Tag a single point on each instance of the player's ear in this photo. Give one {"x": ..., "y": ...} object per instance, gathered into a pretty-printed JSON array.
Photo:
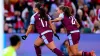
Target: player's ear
[{"x": 19, "y": 43}]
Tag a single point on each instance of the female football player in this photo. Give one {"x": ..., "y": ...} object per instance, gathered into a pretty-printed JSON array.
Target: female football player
[
  {"x": 71, "y": 25},
  {"x": 41, "y": 21}
]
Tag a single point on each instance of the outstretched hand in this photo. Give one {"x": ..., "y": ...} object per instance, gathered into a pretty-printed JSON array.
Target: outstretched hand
[{"x": 24, "y": 37}]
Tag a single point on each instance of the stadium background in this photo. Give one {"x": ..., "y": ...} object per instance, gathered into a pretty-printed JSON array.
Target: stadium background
[{"x": 17, "y": 15}]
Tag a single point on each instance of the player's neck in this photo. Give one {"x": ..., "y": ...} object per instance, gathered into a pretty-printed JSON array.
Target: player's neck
[
  {"x": 15, "y": 47},
  {"x": 37, "y": 11}
]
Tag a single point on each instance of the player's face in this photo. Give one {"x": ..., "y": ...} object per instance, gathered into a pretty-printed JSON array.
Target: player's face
[
  {"x": 34, "y": 9},
  {"x": 59, "y": 10}
]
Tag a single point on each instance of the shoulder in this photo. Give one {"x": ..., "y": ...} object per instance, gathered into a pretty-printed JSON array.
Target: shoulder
[
  {"x": 49, "y": 17},
  {"x": 34, "y": 15},
  {"x": 61, "y": 15},
  {"x": 9, "y": 51},
  {"x": 72, "y": 16},
  {"x": 14, "y": 53},
  {"x": 6, "y": 50}
]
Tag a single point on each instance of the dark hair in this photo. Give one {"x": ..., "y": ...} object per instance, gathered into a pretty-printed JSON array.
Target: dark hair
[
  {"x": 14, "y": 40},
  {"x": 42, "y": 11},
  {"x": 96, "y": 27},
  {"x": 66, "y": 10}
]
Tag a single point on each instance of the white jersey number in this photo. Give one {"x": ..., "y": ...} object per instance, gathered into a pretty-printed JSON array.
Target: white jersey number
[
  {"x": 73, "y": 20},
  {"x": 43, "y": 24}
]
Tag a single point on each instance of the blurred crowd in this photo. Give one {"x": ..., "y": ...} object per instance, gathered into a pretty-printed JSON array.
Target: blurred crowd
[{"x": 17, "y": 14}]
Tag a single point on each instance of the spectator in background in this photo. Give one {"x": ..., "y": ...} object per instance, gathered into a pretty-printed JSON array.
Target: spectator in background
[
  {"x": 6, "y": 28},
  {"x": 85, "y": 15},
  {"x": 53, "y": 8},
  {"x": 8, "y": 8},
  {"x": 18, "y": 22},
  {"x": 92, "y": 19},
  {"x": 62, "y": 30},
  {"x": 96, "y": 10},
  {"x": 15, "y": 44},
  {"x": 47, "y": 5},
  {"x": 96, "y": 29},
  {"x": 79, "y": 17},
  {"x": 85, "y": 10},
  {"x": 82, "y": 19},
  {"x": 64, "y": 49},
  {"x": 99, "y": 15},
  {"x": 80, "y": 4},
  {"x": 27, "y": 13},
  {"x": 11, "y": 30},
  {"x": 22, "y": 30},
  {"x": 71, "y": 6},
  {"x": 20, "y": 6},
  {"x": 8, "y": 11}
]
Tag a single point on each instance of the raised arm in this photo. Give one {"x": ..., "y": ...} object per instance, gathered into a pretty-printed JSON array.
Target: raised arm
[
  {"x": 61, "y": 16},
  {"x": 56, "y": 20}
]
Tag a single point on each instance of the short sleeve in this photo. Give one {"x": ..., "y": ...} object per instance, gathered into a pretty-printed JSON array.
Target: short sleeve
[
  {"x": 32, "y": 20},
  {"x": 49, "y": 17},
  {"x": 14, "y": 54},
  {"x": 61, "y": 16}
]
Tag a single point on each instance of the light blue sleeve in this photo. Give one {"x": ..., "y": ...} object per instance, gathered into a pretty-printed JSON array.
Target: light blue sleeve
[
  {"x": 32, "y": 21},
  {"x": 61, "y": 16},
  {"x": 49, "y": 17}
]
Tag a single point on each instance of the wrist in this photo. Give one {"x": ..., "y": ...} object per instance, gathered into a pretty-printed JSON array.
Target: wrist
[
  {"x": 26, "y": 34},
  {"x": 52, "y": 20},
  {"x": 54, "y": 32}
]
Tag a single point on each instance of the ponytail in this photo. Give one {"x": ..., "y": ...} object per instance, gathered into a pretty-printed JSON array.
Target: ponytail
[
  {"x": 43, "y": 14},
  {"x": 42, "y": 11}
]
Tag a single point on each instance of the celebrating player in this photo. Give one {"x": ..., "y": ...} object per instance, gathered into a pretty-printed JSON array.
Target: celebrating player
[
  {"x": 71, "y": 25},
  {"x": 42, "y": 23}
]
